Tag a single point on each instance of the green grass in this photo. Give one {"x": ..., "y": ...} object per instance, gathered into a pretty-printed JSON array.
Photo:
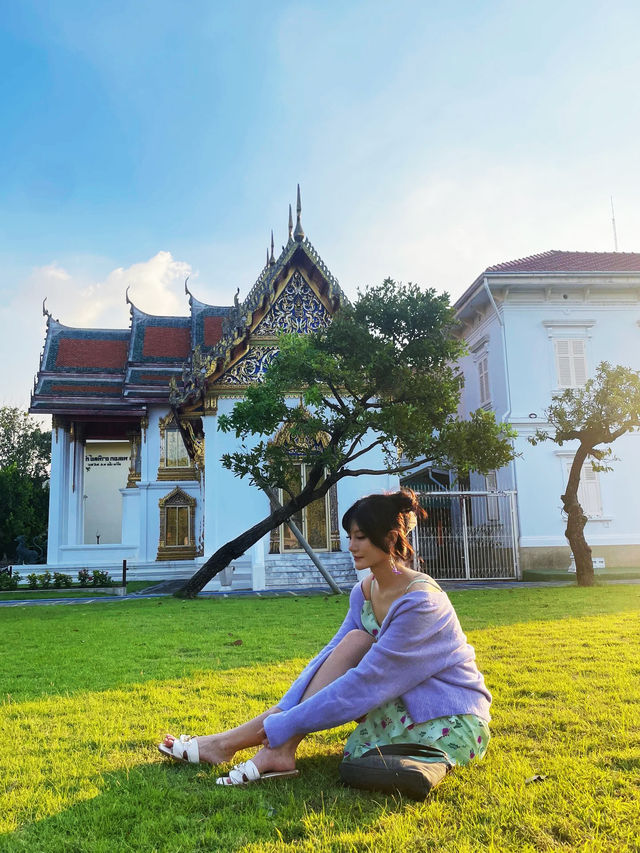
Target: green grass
[
  {"x": 89, "y": 690},
  {"x": 608, "y": 574}
]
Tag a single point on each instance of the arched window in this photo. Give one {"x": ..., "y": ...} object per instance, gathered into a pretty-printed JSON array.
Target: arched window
[{"x": 177, "y": 526}]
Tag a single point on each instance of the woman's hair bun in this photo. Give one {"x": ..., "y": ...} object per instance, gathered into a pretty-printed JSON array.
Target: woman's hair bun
[{"x": 407, "y": 501}]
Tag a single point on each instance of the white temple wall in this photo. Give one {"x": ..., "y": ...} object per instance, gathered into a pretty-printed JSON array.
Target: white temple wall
[{"x": 231, "y": 504}]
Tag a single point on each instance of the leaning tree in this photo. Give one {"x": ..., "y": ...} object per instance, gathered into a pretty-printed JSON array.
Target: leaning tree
[
  {"x": 606, "y": 407},
  {"x": 383, "y": 376}
]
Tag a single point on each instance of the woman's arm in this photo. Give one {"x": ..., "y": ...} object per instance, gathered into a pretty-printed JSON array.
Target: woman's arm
[
  {"x": 351, "y": 621},
  {"x": 412, "y": 648}
]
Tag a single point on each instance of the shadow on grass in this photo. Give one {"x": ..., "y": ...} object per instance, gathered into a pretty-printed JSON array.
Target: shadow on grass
[
  {"x": 65, "y": 650},
  {"x": 175, "y": 807}
]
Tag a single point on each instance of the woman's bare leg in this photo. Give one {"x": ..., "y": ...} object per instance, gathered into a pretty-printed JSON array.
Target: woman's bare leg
[
  {"x": 220, "y": 748},
  {"x": 347, "y": 654}
]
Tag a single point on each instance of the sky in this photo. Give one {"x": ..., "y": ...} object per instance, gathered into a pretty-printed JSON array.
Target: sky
[{"x": 141, "y": 142}]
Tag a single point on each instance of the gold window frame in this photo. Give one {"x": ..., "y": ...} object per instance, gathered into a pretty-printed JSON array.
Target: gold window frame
[{"x": 177, "y": 499}]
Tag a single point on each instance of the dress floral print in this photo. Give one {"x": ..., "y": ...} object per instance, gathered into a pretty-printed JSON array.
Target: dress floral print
[{"x": 462, "y": 736}]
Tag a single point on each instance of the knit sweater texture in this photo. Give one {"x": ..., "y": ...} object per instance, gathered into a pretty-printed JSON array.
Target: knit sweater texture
[{"x": 421, "y": 655}]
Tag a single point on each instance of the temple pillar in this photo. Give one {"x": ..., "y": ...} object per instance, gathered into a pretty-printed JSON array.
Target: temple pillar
[
  {"x": 58, "y": 492},
  {"x": 75, "y": 489}
]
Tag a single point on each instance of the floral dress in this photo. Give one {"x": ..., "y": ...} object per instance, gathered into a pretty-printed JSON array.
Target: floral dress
[{"x": 462, "y": 736}]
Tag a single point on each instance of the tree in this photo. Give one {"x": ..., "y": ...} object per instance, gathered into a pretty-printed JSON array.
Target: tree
[
  {"x": 24, "y": 444},
  {"x": 605, "y": 408},
  {"x": 382, "y": 375},
  {"x": 25, "y": 453}
]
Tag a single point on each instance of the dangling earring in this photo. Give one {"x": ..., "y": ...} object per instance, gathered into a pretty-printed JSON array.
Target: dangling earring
[{"x": 394, "y": 568}]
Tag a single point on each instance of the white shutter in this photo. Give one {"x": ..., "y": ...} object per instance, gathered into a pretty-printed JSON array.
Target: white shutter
[
  {"x": 491, "y": 484},
  {"x": 579, "y": 361},
  {"x": 571, "y": 362},
  {"x": 563, "y": 364},
  {"x": 589, "y": 492},
  {"x": 589, "y": 496},
  {"x": 483, "y": 377}
]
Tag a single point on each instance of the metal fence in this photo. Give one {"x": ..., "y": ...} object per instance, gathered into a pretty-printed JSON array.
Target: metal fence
[{"x": 468, "y": 535}]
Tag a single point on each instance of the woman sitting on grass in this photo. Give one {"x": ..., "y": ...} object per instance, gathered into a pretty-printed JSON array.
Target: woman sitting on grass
[{"x": 399, "y": 664}]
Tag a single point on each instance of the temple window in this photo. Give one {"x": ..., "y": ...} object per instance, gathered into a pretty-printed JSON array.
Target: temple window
[
  {"x": 318, "y": 521},
  {"x": 177, "y": 526},
  {"x": 175, "y": 463},
  {"x": 175, "y": 453}
]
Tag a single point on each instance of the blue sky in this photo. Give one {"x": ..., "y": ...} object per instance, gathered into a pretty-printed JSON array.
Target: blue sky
[{"x": 143, "y": 141}]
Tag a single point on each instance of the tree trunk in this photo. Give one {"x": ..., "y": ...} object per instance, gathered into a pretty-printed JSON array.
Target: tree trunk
[
  {"x": 236, "y": 547},
  {"x": 576, "y": 520}
]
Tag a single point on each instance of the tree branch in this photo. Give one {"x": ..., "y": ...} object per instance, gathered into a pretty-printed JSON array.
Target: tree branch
[
  {"x": 335, "y": 393},
  {"x": 365, "y": 449},
  {"x": 399, "y": 469}
]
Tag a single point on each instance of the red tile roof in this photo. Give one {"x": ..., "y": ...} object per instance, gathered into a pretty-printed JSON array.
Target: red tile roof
[
  {"x": 166, "y": 342},
  {"x": 557, "y": 261},
  {"x": 212, "y": 330},
  {"x": 81, "y": 352}
]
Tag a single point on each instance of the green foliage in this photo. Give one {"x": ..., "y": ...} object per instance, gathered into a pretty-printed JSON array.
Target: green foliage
[
  {"x": 84, "y": 577},
  {"x": 44, "y": 580},
  {"x": 100, "y": 578},
  {"x": 61, "y": 580},
  {"x": 24, "y": 491},
  {"x": 24, "y": 444},
  {"x": 9, "y": 581},
  {"x": 32, "y": 578},
  {"x": 381, "y": 375},
  {"x": 606, "y": 407}
]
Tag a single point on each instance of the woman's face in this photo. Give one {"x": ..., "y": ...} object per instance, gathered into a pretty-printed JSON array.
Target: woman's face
[{"x": 365, "y": 554}]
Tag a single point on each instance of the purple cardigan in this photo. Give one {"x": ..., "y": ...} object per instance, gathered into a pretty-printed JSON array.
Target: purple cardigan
[{"x": 420, "y": 655}]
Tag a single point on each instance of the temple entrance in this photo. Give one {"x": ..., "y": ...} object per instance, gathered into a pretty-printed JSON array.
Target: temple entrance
[{"x": 106, "y": 466}]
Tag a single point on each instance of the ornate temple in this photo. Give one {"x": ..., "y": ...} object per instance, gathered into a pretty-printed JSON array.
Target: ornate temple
[{"x": 135, "y": 467}]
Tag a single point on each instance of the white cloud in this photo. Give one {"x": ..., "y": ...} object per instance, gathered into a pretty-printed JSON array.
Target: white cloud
[{"x": 77, "y": 299}]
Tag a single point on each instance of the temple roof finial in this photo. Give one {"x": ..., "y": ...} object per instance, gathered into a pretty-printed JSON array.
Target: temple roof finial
[
  {"x": 290, "y": 222},
  {"x": 126, "y": 296},
  {"x": 298, "y": 234},
  {"x": 45, "y": 312},
  {"x": 272, "y": 259},
  {"x": 186, "y": 287}
]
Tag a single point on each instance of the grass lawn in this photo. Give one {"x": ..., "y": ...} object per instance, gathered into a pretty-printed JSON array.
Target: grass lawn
[
  {"x": 89, "y": 690},
  {"x": 608, "y": 574}
]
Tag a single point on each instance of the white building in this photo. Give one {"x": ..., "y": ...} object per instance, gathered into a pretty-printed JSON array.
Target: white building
[
  {"x": 535, "y": 326},
  {"x": 123, "y": 486}
]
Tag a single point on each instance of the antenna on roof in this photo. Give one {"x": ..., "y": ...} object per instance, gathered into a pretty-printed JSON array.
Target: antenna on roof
[{"x": 613, "y": 222}]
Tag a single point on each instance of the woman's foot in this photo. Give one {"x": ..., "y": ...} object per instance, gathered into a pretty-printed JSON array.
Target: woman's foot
[
  {"x": 274, "y": 760},
  {"x": 212, "y": 749},
  {"x": 266, "y": 764}
]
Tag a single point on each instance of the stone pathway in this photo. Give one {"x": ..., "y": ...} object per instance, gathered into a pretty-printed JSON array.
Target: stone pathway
[{"x": 155, "y": 591}]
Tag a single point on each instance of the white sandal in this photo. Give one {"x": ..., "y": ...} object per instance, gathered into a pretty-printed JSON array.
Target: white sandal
[
  {"x": 183, "y": 748},
  {"x": 247, "y": 772}
]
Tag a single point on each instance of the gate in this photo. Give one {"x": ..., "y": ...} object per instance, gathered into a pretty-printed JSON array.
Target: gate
[{"x": 468, "y": 535}]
